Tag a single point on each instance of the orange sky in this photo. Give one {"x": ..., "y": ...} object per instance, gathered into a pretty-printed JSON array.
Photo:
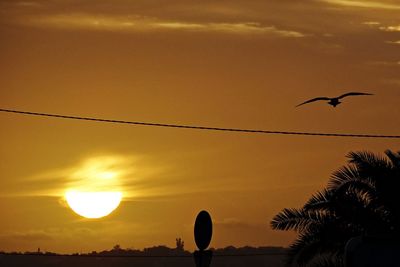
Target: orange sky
[{"x": 239, "y": 63}]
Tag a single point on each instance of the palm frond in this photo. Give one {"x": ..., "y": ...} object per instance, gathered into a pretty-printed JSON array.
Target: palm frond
[
  {"x": 304, "y": 248},
  {"x": 365, "y": 188},
  {"x": 361, "y": 197},
  {"x": 295, "y": 219},
  {"x": 325, "y": 238},
  {"x": 366, "y": 158},
  {"x": 346, "y": 173},
  {"x": 327, "y": 260},
  {"x": 370, "y": 165},
  {"x": 320, "y": 201},
  {"x": 394, "y": 157}
]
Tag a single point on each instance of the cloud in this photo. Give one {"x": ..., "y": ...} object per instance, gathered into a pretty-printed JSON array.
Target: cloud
[
  {"x": 371, "y": 23},
  {"x": 235, "y": 223},
  {"x": 385, "y": 63},
  {"x": 146, "y": 24},
  {"x": 137, "y": 177},
  {"x": 29, "y": 236},
  {"x": 100, "y": 173},
  {"x": 390, "y": 28},
  {"x": 394, "y": 42},
  {"x": 48, "y": 234},
  {"x": 132, "y": 175},
  {"x": 364, "y": 4},
  {"x": 395, "y": 82},
  {"x": 28, "y": 4}
]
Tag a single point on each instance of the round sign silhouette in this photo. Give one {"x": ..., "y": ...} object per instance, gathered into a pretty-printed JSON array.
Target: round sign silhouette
[{"x": 203, "y": 230}]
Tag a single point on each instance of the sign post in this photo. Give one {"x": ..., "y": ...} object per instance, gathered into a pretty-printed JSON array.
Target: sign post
[{"x": 202, "y": 237}]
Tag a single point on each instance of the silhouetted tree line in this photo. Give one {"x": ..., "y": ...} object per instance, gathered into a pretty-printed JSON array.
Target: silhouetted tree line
[
  {"x": 262, "y": 257},
  {"x": 162, "y": 250},
  {"x": 361, "y": 198}
]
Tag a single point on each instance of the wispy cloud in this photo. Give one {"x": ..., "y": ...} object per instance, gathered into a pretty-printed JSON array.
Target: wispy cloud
[
  {"x": 28, "y": 4},
  {"x": 28, "y": 236},
  {"x": 394, "y": 42},
  {"x": 395, "y": 28},
  {"x": 97, "y": 173},
  {"x": 385, "y": 63},
  {"x": 364, "y": 4},
  {"x": 137, "y": 177},
  {"x": 371, "y": 23},
  {"x": 233, "y": 223},
  {"x": 395, "y": 82},
  {"x": 146, "y": 24},
  {"x": 47, "y": 234}
]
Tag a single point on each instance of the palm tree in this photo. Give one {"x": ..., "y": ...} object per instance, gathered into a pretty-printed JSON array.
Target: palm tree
[{"x": 361, "y": 198}]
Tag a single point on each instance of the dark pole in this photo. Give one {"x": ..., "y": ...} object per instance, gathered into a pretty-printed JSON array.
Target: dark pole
[{"x": 202, "y": 237}]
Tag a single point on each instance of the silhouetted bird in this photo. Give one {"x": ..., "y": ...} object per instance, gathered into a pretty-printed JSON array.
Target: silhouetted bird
[{"x": 334, "y": 101}]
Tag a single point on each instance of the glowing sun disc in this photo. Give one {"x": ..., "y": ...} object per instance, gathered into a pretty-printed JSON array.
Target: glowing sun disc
[{"x": 93, "y": 204}]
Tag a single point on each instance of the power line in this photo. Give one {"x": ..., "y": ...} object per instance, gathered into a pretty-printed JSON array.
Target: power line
[{"x": 194, "y": 127}]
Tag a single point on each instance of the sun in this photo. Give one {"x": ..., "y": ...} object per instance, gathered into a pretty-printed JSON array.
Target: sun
[
  {"x": 95, "y": 189},
  {"x": 93, "y": 204}
]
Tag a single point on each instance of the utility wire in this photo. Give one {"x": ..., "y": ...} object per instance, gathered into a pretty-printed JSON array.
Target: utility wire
[{"x": 194, "y": 127}]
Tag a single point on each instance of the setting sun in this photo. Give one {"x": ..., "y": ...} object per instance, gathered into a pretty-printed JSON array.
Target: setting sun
[
  {"x": 120, "y": 121},
  {"x": 94, "y": 189},
  {"x": 93, "y": 204}
]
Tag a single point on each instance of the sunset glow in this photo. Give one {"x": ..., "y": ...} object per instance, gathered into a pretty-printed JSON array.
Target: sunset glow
[
  {"x": 94, "y": 188},
  {"x": 97, "y": 81},
  {"x": 93, "y": 204}
]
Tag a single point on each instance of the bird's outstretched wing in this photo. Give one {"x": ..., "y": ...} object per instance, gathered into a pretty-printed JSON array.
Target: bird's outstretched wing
[
  {"x": 353, "y": 93},
  {"x": 314, "y": 99}
]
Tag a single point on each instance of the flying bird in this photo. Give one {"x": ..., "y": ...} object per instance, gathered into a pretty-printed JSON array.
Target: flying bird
[{"x": 334, "y": 101}]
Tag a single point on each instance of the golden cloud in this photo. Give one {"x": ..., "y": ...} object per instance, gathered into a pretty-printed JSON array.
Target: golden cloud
[
  {"x": 390, "y": 28},
  {"x": 364, "y": 4},
  {"x": 145, "y": 24}
]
